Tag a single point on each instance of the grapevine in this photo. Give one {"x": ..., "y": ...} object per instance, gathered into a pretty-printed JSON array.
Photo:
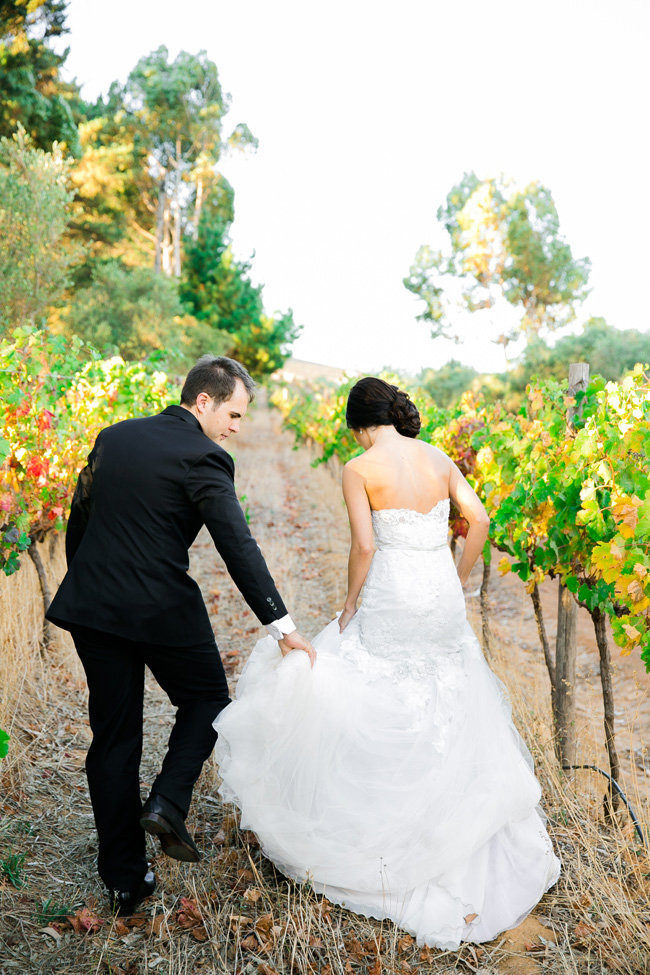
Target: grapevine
[
  {"x": 55, "y": 396},
  {"x": 567, "y": 504}
]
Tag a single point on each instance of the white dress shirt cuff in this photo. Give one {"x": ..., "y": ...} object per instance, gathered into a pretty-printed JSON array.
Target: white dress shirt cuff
[{"x": 279, "y": 628}]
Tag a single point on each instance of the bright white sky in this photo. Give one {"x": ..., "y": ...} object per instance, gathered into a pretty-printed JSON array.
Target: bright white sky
[{"x": 367, "y": 113}]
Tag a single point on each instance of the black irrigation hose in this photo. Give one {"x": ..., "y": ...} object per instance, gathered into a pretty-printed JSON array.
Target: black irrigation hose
[{"x": 616, "y": 786}]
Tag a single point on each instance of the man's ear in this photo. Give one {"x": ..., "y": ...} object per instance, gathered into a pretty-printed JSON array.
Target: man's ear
[{"x": 202, "y": 401}]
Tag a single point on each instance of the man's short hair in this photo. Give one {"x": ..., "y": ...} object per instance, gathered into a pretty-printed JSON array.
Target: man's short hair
[{"x": 217, "y": 376}]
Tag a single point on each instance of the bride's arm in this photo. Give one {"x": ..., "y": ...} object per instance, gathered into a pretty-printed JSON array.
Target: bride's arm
[
  {"x": 361, "y": 540},
  {"x": 469, "y": 505}
]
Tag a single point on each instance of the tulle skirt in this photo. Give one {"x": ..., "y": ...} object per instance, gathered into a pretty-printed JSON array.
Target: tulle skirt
[{"x": 399, "y": 794}]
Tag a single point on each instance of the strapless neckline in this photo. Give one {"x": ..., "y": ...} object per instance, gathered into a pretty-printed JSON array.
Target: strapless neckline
[{"x": 422, "y": 514}]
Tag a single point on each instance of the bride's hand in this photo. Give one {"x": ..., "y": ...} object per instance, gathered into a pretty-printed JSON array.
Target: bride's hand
[{"x": 346, "y": 616}]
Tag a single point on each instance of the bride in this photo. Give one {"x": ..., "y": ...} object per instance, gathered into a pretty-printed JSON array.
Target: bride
[{"x": 388, "y": 773}]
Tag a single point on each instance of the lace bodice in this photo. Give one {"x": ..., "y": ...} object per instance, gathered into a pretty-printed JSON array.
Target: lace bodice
[
  {"x": 403, "y": 528},
  {"x": 412, "y": 611}
]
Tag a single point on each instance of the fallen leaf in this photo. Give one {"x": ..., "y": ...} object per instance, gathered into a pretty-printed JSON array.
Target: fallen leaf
[
  {"x": 252, "y": 894},
  {"x": 190, "y": 911},
  {"x": 156, "y": 924},
  {"x": 470, "y": 917},
  {"x": 238, "y": 921},
  {"x": 533, "y": 946},
  {"x": 85, "y": 921},
  {"x": 354, "y": 947},
  {"x": 136, "y": 921},
  {"x": 190, "y": 919},
  {"x": 264, "y": 925}
]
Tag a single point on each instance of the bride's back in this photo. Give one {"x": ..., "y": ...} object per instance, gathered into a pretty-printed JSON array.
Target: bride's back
[{"x": 400, "y": 472}]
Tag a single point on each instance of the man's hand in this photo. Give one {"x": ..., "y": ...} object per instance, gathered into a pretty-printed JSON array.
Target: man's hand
[{"x": 293, "y": 641}]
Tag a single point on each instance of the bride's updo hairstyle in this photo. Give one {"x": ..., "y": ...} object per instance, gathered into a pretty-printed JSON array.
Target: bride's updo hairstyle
[{"x": 373, "y": 402}]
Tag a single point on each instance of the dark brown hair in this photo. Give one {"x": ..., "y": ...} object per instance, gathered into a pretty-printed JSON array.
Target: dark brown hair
[
  {"x": 373, "y": 402},
  {"x": 215, "y": 375}
]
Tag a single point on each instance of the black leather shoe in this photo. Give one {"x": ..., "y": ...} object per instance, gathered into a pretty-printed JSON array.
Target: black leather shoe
[
  {"x": 126, "y": 901},
  {"x": 160, "y": 818}
]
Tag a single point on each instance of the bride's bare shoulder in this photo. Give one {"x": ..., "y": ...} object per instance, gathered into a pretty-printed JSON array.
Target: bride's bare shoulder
[
  {"x": 354, "y": 464},
  {"x": 435, "y": 453}
]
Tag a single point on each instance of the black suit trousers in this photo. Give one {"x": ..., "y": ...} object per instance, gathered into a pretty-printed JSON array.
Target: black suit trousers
[{"x": 194, "y": 680}]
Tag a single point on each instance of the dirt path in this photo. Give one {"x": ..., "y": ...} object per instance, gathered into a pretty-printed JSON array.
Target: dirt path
[{"x": 231, "y": 913}]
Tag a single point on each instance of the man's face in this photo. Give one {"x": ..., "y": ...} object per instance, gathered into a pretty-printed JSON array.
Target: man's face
[{"x": 219, "y": 422}]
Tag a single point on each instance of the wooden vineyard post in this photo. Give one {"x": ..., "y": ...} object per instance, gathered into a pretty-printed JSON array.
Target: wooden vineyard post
[
  {"x": 565, "y": 644},
  {"x": 565, "y": 678}
]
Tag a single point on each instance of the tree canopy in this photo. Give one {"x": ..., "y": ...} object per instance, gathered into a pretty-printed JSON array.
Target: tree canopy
[
  {"x": 34, "y": 214},
  {"x": 503, "y": 243},
  {"x": 101, "y": 202},
  {"x": 32, "y": 92},
  {"x": 171, "y": 113}
]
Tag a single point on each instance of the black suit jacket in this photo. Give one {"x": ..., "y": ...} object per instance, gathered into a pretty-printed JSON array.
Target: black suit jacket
[{"x": 149, "y": 486}]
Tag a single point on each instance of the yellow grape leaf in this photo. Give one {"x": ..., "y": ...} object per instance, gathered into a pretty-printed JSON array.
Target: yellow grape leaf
[
  {"x": 611, "y": 573},
  {"x": 635, "y": 590},
  {"x": 536, "y": 399},
  {"x": 588, "y": 491},
  {"x": 632, "y": 633},
  {"x": 620, "y": 584},
  {"x": 626, "y": 515},
  {"x": 504, "y": 566},
  {"x": 640, "y": 570}
]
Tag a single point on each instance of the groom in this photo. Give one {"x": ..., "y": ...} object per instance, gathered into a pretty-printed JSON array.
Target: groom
[{"x": 127, "y": 599}]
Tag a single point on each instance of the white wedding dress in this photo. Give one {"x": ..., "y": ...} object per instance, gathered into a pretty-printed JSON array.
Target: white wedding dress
[{"x": 390, "y": 776}]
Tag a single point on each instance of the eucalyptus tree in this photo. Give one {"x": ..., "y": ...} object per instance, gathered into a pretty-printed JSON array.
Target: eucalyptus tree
[
  {"x": 174, "y": 111},
  {"x": 502, "y": 243}
]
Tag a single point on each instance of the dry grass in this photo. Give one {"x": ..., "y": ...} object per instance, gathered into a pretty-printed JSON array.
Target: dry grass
[
  {"x": 600, "y": 906},
  {"x": 24, "y": 666},
  {"x": 233, "y": 913}
]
